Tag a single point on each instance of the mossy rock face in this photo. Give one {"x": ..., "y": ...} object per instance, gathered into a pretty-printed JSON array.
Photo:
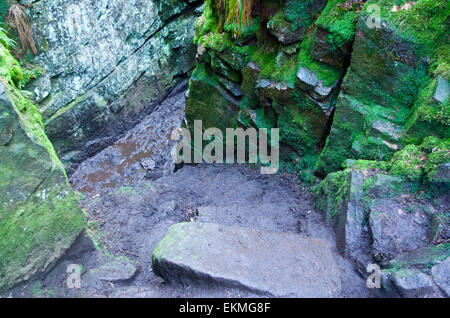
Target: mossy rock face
[
  {"x": 260, "y": 118},
  {"x": 431, "y": 112},
  {"x": 424, "y": 258},
  {"x": 395, "y": 90},
  {"x": 295, "y": 16},
  {"x": 39, "y": 215},
  {"x": 224, "y": 69},
  {"x": 376, "y": 97},
  {"x": 336, "y": 28},
  {"x": 387, "y": 97},
  {"x": 324, "y": 52},
  {"x": 250, "y": 77},
  {"x": 208, "y": 101}
]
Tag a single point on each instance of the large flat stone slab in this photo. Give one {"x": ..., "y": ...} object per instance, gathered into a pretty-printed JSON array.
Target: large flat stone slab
[{"x": 272, "y": 264}]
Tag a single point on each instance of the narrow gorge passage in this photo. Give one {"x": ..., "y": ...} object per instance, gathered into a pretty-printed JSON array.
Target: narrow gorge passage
[
  {"x": 340, "y": 110},
  {"x": 131, "y": 205}
]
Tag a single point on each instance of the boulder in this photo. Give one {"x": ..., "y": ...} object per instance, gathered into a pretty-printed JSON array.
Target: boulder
[
  {"x": 412, "y": 283},
  {"x": 115, "y": 271},
  {"x": 409, "y": 274},
  {"x": 340, "y": 196},
  {"x": 40, "y": 216},
  {"x": 211, "y": 254},
  {"x": 396, "y": 230},
  {"x": 371, "y": 218},
  {"x": 441, "y": 276}
]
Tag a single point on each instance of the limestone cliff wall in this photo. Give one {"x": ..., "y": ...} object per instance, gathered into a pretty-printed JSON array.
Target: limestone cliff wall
[{"x": 40, "y": 216}]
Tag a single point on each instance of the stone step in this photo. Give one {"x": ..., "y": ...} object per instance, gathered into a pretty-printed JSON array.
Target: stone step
[
  {"x": 267, "y": 263},
  {"x": 267, "y": 217}
]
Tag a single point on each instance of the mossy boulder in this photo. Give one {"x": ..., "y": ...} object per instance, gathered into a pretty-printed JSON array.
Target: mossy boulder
[
  {"x": 421, "y": 273},
  {"x": 336, "y": 28},
  {"x": 40, "y": 216},
  {"x": 378, "y": 213}
]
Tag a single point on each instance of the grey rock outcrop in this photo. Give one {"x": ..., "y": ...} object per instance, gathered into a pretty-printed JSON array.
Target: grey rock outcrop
[
  {"x": 441, "y": 276},
  {"x": 106, "y": 64}
]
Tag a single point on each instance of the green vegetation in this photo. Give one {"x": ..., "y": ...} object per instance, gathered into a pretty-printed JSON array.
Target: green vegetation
[
  {"x": 425, "y": 23},
  {"x": 429, "y": 118},
  {"x": 4, "y": 7},
  {"x": 339, "y": 21},
  {"x": 14, "y": 78},
  {"x": 234, "y": 15},
  {"x": 327, "y": 74},
  {"x": 424, "y": 258},
  {"x": 407, "y": 163},
  {"x": 299, "y": 13},
  {"x": 416, "y": 163}
]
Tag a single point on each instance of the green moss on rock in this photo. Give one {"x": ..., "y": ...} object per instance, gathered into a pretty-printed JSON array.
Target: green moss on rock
[
  {"x": 408, "y": 163},
  {"x": 331, "y": 194},
  {"x": 208, "y": 101},
  {"x": 39, "y": 214},
  {"x": 326, "y": 73}
]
